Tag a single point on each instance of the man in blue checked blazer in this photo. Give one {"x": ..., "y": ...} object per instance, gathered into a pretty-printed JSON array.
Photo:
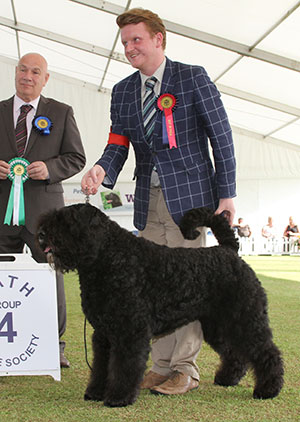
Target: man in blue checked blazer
[{"x": 174, "y": 172}]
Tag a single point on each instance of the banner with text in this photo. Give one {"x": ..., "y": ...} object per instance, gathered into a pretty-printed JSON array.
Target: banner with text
[{"x": 29, "y": 342}]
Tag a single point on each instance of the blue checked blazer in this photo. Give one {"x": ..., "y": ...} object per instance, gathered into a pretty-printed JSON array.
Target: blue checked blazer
[{"x": 187, "y": 175}]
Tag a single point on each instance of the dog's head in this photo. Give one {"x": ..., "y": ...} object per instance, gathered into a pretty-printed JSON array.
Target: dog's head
[{"x": 67, "y": 236}]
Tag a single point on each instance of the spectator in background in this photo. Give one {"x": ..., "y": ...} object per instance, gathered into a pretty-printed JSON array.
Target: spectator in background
[
  {"x": 291, "y": 229},
  {"x": 268, "y": 231},
  {"x": 243, "y": 230}
]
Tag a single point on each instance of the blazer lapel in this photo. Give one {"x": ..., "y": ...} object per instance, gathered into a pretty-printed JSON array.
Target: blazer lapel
[
  {"x": 137, "y": 103},
  {"x": 41, "y": 110},
  {"x": 8, "y": 119},
  {"x": 168, "y": 81}
]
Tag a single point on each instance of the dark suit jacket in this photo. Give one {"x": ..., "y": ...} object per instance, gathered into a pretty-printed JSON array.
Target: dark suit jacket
[
  {"x": 61, "y": 150},
  {"x": 187, "y": 175}
]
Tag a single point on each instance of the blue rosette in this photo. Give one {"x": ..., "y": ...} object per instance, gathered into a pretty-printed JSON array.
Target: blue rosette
[{"x": 42, "y": 125}]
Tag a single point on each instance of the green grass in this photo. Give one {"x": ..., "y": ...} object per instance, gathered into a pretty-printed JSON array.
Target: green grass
[{"x": 41, "y": 399}]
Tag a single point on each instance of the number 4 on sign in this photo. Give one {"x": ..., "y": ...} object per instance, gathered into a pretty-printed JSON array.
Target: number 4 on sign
[{"x": 9, "y": 333}]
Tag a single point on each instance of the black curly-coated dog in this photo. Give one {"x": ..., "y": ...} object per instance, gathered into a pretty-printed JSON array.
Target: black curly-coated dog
[{"x": 133, "y": 290}]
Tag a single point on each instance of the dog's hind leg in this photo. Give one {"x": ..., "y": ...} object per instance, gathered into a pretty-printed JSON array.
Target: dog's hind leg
[
  {"x": 255, "y": 349},
  {"x": 257, "y": 346},
  {"x": 127, "y": 365},
  {"x": 269, "y": 371},
  {"x": 233, "y": 366},
  {"x": 231, "y": 370},
  {"x": 96, "y": 387}
]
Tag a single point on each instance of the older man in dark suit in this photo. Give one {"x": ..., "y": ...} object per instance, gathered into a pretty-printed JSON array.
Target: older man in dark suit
[
  {"x": 53, "y": 152},
  {"x": 169, "y": 130}
]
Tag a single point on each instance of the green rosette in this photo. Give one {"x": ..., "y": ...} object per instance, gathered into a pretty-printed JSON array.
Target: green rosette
[{"x": 15, "y": 211}]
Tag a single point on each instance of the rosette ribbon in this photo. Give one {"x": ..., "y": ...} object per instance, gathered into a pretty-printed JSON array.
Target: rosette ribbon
[
  {"x": 166, "y": 103},
  {"x": 42, "y": 125},
  {"x": 15, "y": 211}
]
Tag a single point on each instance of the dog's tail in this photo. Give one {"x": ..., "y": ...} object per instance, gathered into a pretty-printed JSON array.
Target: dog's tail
[{"x": 199, "y": 217}]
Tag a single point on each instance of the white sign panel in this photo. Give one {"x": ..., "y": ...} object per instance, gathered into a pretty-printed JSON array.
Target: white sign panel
[{"x": 29, "y": 343}]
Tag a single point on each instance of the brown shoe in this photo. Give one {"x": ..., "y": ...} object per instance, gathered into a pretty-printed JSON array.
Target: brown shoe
[
  {"x": 152, "y": 379},
  {"x": 64, "y": 363},
  {"x": 178, "y": 383}
]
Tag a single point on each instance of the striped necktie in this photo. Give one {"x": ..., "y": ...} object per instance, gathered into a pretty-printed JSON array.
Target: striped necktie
[
  {"x": 21, "y": 129},
  {"x": 149, "y": 107}
]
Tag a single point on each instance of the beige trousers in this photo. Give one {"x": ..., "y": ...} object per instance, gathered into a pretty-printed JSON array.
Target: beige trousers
[{"x": 177, "y": 351}]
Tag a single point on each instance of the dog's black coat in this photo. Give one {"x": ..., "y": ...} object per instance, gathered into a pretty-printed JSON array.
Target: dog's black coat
[{"x": 133, "y": 289}]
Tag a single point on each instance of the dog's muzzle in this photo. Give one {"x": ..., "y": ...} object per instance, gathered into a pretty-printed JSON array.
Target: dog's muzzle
[{"x": 42, "y": 241}]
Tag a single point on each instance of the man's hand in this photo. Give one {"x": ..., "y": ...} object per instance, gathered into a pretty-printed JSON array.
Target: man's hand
[
  {"x": 38, "y": 170},
  {"x": 4, "y": 169},
  {"x": 227, "y": 204},
  {"x": 92, "y": 180}
]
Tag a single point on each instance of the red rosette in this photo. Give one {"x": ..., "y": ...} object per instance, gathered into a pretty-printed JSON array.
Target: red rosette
[{"x": 166, "y": 101}]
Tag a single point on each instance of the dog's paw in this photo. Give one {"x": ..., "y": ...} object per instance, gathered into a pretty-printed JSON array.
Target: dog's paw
[
  {"x": 230, "y": 374},
  {"x": 117, "y": 403},
  {"x": 226, "y": 382},
  {"x": 120, "y": 400},
  {"x": 88, "y": 395},
  {"x": 265, "y": 394}
]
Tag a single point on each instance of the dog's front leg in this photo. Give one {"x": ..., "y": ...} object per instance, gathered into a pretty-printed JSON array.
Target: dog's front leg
[
  {"x": 98, "y": 379},
  {"x": 127, "y": 365}
]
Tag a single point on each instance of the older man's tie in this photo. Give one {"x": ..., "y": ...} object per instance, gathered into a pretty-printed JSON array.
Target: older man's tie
[
  {"x": 21, "y": 129},
  {"x": 149, "y": 107}
]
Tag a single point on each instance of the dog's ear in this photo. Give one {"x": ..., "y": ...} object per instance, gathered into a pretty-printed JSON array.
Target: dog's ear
[
  {"x": 92, "y": 216},
  {"x": 98, "y": 219},
  {"x": 95, "y": 221}
]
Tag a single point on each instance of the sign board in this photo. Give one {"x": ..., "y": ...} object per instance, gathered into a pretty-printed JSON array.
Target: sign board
[{"x": 29, "y": 343}]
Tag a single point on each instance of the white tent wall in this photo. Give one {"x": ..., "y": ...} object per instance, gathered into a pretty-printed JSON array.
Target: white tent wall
[
  {"x": 268, "y": 181},
  {"x": 268, "y": 171}
]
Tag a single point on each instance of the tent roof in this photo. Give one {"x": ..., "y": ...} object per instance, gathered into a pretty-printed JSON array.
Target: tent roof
[{"x": 249, "y": 48}]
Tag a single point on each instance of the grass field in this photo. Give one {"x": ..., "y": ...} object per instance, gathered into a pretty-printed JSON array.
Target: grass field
[{"x": 41, "y": 399}]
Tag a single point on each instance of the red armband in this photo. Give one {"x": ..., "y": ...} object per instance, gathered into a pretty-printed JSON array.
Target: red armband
[{"x": 118, "y": 140}]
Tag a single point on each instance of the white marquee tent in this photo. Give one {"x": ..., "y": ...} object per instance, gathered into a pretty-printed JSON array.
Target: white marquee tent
[{"x": 250, "y": 49}]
